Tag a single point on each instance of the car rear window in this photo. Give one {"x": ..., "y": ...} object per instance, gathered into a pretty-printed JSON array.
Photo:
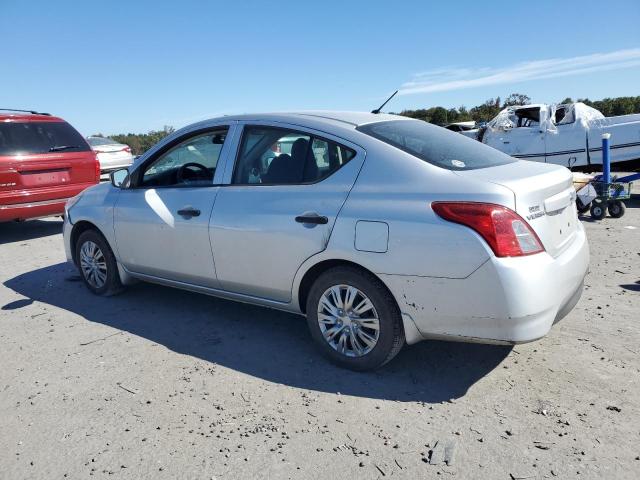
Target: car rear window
[
  {"x": 39, "y": 137},
  {"x": 436, "y": 145},
  {"x": 96, "y": 141}
]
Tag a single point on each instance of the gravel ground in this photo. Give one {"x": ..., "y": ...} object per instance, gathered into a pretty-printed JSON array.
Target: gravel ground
[{"x": 160, "y": 383}]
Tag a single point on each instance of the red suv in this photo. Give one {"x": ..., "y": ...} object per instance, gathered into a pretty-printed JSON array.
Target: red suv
[{"x": 44, "y": 161}]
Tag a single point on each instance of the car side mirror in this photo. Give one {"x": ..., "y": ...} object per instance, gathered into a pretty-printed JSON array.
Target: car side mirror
[{"x": 120, "y": 178}]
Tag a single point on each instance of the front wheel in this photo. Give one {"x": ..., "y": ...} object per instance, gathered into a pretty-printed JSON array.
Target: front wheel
[
  {"x": 598, "y": 210},
  {"x": 354, "y": 319},
  {"x": 97, "y": 264}
]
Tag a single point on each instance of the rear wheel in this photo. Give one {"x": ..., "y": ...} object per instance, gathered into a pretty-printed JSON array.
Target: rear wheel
[
  {"x": 354, "y": 319},
  {"x": 97, "y": 264},
  {"x": 616, "y": 208},
  {"x": 598, "y": 210}
]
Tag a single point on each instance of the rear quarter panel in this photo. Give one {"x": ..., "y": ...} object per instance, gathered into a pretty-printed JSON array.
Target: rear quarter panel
[{"x": 396, "y": 188}]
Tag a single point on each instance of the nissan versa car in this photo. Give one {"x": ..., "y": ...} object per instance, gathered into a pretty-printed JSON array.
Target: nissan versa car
[
  {"x": 382, "y": 230},
  {"x": 44, "y": 161}
]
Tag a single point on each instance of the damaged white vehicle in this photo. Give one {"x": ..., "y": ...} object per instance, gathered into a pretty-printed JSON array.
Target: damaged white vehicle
[
  {"x": 568, "y": 135},
  {"x": 381, "y": 229}
]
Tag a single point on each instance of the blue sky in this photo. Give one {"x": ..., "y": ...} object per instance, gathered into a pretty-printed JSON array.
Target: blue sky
[{"x": 121, "y": 66}]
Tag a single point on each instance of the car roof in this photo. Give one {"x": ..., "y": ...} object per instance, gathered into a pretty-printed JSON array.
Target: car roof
[
  {"x": 334, "y": 122},
  {"x": 354, "y": 119},
  {"x": 28, "y": 117}
]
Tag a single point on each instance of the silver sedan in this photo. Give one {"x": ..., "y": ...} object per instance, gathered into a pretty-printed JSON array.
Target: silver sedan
[{"x": 382, "y": 230}]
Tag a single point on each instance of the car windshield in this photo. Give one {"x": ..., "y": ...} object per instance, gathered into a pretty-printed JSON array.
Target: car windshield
[
  {"x": 95, "y": 141},
  {"x": 39, "y": 137},
  {"x": 436, "y": 145}
]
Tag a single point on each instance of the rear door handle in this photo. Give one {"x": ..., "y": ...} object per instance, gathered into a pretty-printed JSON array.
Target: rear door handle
[
  {"x": 312, "y": 218},
  {"x": 189, "y": 212}
]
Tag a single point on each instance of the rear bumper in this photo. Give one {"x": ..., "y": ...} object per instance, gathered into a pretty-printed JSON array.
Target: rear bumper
[
  {"x": 24, "y": 211},
  {"x": 506, "y": 300},
  {"x": 108, "y": 163},
  {"x": 37, "y": 202}
]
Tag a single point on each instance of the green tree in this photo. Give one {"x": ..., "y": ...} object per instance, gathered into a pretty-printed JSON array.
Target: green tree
[
  {"x": 516, "y": 99},
  {"x": 489, "y": 109},
  {"x": 141, "y": 142}
]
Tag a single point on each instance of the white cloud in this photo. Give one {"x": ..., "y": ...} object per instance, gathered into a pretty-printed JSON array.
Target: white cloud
[{"x": 447, "y": 79}]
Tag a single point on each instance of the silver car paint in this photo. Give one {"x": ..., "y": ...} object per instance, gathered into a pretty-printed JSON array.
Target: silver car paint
[
  {"x": 153, "y": 239},
  {"x": 445, "y": 278},
  {"x": 257, "y": 244}
]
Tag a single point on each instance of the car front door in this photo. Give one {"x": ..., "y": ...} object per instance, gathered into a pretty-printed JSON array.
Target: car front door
[
  {"x": 161, "y": 220},
  {"x": 279, "y": 206},
  {"x": 523, "y": 138}
]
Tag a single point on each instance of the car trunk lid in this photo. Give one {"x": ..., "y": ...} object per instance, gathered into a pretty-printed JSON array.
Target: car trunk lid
[
  {"x": 110, "y": 148},
  {"x": 544, "y": 197}
]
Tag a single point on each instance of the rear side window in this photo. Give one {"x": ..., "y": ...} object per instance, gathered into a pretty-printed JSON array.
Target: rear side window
[
  {"x": 436, "y": 145},
  {"x": 277, "y": 156},
  {"x": 39, "y": 137}
]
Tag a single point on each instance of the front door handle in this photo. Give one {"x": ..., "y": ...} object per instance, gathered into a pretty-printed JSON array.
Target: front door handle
[
  {"x": 313, "y": 218},
  {"x": 189, "y": 212}
]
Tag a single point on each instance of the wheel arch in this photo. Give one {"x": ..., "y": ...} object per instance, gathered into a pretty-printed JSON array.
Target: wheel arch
[
  {"x": 412, "y": 334},
  {"x": 78, "y": 229},
  {"x": 318, "y": 269},
  {"x": 82, "y": 226}
]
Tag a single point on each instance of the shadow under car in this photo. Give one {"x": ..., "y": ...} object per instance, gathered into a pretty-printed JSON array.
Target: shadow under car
[{"x": 268, "y": 344}]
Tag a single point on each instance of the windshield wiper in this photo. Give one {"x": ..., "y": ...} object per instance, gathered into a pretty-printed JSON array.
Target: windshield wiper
[{"x": 58, "y": 148}]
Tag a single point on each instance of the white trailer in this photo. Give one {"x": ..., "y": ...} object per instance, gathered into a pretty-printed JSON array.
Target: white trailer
[{"x": 566, "y": 134}]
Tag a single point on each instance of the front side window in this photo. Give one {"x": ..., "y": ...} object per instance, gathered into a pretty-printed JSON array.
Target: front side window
[
  {"x": 436, "y": 145},
  {"x": 191, "y": 162},
  {"x": 276, "y": 156}
]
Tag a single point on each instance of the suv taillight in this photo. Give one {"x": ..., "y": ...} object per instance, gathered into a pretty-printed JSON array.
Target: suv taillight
[
  {"x": 506, "y": 232},
  {"x": 97, "y": 169}
]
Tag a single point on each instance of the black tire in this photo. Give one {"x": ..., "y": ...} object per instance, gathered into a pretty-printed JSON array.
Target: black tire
[
  {"x": 582, "y": 208},
  {"x": 112, "y": 285},
  {"x": 598, "y": 210},
  {"x": 616, "y": 208},
  {"x": 391, "y": 332}
]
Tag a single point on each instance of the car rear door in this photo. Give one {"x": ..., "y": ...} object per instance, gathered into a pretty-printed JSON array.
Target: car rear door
[
  {"x": 267, "y": 221},
  {"x": 161, "y": 221}
]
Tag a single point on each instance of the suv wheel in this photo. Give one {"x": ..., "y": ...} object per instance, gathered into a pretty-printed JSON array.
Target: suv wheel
[
  {"x": 354, "y": 319},
  {"x": 97, "y": 264}
]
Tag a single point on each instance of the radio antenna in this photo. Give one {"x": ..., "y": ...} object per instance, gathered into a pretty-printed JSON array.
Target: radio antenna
[{"x": 377, "y": 110}]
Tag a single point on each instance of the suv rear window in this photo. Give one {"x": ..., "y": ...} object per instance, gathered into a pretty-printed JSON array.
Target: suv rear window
[
  {"x": 436, "y": 145},
  {"x": 39, "y": 137}
]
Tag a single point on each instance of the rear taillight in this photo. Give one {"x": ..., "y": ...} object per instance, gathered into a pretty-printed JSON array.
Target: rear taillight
[
  {"x": 506, "y": 232},
  {"x": 126, "y": 149},
  {"x": 97, "y": 169}
]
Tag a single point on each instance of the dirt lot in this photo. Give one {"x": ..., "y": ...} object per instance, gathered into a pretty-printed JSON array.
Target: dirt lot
[{"x": 160, "y": 383}]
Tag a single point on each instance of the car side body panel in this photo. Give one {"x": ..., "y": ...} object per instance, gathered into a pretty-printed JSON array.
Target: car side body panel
[{"x": 445, "y": 278}]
